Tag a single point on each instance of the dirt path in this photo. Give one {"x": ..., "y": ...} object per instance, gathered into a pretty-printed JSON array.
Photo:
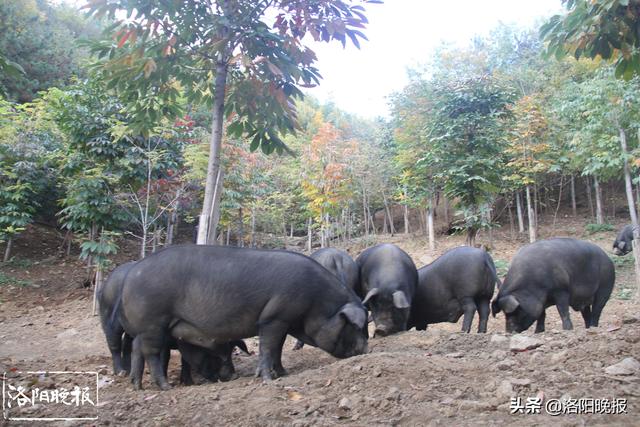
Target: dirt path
[{"x": 435, "y": 377}]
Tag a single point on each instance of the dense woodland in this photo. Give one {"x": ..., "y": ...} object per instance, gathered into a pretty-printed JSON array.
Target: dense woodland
[{"x": 105, "y": 131}]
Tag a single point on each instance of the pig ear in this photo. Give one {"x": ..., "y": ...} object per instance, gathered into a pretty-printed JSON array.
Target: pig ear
[
  {"x": 355, "y": 315},
  {"x": 400, "y": 300},
  {"x": 509, "y": 303},
  {"x": 373, "y": 292}
]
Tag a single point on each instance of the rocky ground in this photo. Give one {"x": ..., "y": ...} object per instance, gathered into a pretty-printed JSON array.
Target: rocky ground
[{"x": 434, "y": 377}]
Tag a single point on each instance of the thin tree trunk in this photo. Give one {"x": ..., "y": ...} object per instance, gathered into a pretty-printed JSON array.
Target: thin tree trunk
[
  {"x": 211, "y": 206},
  {"x": 170, "y": 224},
  {"x": 430, "y": 228},
  {"x": 349, "y": 224},
  {"x": 637, "y": 196},
  {"x": 531, "y": 217},
  {"x": 632, "y": 210},
  {"x": 406, "y": 215},
  {"x": 512, "y": 230},
  {"x": 392, "y": 228},
  {"x": 365, "y": 218},
  {"x": 385, "y": 228},
  {"x": 536, "y": 204},
  {"x": 291, "y": 231},
  {"x": 555, "y": 215},
  {"x": 445, "y": 203},
  {"x": 573, "y": 196},
  {"x": 587, "y": 181},
  {"x": 240, "y": 228},
  {"x": 7, "y": 251},
  {"x": 96, "y": 290},
  {"x": 253, "y": 227},
  {"x": 599, "y": 215},
  {"x": 228, "y": 240},
  {"x": 309, "y": 236},
  {"x": 214, "y": 219},
  {"x": 471, "y": 236},
  {"x": 519, "y": 212}
]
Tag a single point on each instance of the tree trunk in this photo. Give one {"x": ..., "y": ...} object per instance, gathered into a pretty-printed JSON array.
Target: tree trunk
[
  {"x": 637, "y": 196},
  {"x": 632, "y": 210},
  {"x": 170, "y": 226},
  {"x": 96, "y": 289},
  {"x": 512, "y": 230},
  {"x": 392, "y": 228},
  {"x": 519, "y": 212},
  {"x": 253, "y": 227},
  {"x": 7, "y": 251},
  {"x": 406, "y": 218},
  {"x": 573, "y": 196},
  {"x": 599, "y": 215},
  {"x": 211, "y": 206},
  {"x": 309, "y": 235},
  {"x": 446, "y": 210},
  {"x": 291, "y": 231},
  {"x": 536, "y": 204},
  {"x": 365, "y": 218},
  {"x": 240, "y": 228},
  {"x": 430, "y": 230},
  {"x": 531, "y": 217},
  {"x": 385, "y": 228},
  {"x": 471, "y": 236},
  {"x": 587, "y": 182},
  {"x": 228, "y": 240},
  {"x": 555, "y": 215}
]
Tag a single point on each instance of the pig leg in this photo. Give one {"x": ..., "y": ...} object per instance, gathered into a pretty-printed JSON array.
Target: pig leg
[
  {"x": 165, "y": 357},
  {"x": 540, "y": 322},
  {"x": 600, "y": 299},
  {"x": 469, "y": 309},
  {"x": 126, "y": 352},
  {"x": 299, "y": 345},
  {"x": 113, "y": 334},
  {"x": 185, "y": 372},
  {"x": 562, "y": 304},
  {"x": 280, "y": 371},
  {"x": 272, "y": 335},
  {"x": 137, "y": 364},
  {"x": 153, "y": 344},
  {"x": 483, "y": 314},
  {"x": 586, "y": 315}
]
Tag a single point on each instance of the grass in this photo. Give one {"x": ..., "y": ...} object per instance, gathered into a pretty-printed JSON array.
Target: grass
[
  {"x": 623, "y": 291},
  {"x": 598, "y": 228},
  {"x": 18, "y": 263},
  {"x": 622, "y": 261},
  {"x": 5, "y": 279},
  {"x": 501, "y": 266}
]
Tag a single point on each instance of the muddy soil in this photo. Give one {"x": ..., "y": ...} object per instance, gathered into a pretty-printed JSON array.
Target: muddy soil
[{"x": 435, "y": 377}]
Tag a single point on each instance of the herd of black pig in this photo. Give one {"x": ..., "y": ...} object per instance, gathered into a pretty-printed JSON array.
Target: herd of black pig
[{"x": 203, "y": 300}]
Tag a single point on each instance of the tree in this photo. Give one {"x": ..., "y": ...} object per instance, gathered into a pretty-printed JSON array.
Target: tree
[
  {"x": 28, "y": 137},
  {"x": 602, "y": 28},
  {"x": 527, "y": 151},
  {"x": 39, "y": 38},
  {"x": 226, "y": 55},
  {"x": 468, "y": 138}
]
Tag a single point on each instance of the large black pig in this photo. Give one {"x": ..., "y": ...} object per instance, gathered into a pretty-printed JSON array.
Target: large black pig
[
  {"x": 460, "y": 282},
  {"x": 624, "y": 241},
  {"x": 339, "y": 263},
  {"x": 119, "y": 343},
  {"x": 561, "y": 272},
  {"x": 388, "y": 279},
  {"x": 206, "y": 295},
  {"x": 213, "y": 364}
]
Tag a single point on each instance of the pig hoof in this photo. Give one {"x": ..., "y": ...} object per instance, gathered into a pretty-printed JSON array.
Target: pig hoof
[
  {"x": 137, "y": 385},
  {"x": 165, "y": 386},
  {"x": 122, "y": 373},
  {"x": 280, "y": 372},
  {"x": 298, "y": 346}
]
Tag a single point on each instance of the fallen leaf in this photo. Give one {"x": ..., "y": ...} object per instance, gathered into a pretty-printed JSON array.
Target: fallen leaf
[
  {"x": 150, "y": 397},
  {"x": 294, "y": 395}
]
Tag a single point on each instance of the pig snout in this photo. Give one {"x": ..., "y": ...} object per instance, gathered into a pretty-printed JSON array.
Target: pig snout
[{"x": 381, "y": 330}]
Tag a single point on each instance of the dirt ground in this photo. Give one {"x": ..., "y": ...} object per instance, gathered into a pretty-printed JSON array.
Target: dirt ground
[{"x": 435, "y": 377}]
